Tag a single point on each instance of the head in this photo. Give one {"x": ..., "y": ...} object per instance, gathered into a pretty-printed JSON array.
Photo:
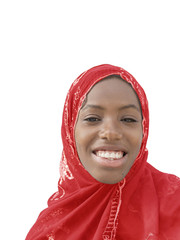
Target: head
[
  {"x": 108, "y": 131},
  {"x": 105, "y": 126}
]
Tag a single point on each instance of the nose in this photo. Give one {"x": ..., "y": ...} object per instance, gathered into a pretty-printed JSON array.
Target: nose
[{"x": 110, "y": 131}]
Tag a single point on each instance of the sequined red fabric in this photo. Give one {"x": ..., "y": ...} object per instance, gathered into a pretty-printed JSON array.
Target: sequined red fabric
[{"x": 144, "y": 206}]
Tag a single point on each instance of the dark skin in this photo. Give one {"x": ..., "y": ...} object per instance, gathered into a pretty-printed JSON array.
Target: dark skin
[{"x": 110, "y": 122}]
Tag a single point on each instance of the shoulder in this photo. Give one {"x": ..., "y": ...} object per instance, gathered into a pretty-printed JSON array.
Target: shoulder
[
  {"x": 164, "y": 182},
  {"x": 167, "y": 187}
]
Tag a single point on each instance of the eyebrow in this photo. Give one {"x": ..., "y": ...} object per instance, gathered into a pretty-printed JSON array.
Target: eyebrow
[
  {"x": 102, "y": 108},
  {"x": 130, "y": 106}
]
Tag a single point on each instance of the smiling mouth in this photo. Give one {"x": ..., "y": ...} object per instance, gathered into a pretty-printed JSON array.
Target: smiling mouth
[{"x": 110, "y": 155}]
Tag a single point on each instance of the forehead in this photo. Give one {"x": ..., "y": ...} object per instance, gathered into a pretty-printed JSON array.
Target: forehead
[{"x": 112, "y": 89}]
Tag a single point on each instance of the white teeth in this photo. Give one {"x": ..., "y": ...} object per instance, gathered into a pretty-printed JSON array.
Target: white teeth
[
  {"x": 113, "y": 155},
  {"x": 107, "y": 155},
  {"x": 101, "y": 154},
  {"x": 110, "y": 155}
]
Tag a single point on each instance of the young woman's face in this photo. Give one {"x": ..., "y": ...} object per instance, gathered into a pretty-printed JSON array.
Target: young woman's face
[{"x": 108, "y": 132}]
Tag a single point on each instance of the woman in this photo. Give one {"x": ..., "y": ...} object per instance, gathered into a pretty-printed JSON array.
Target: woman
[{"x": 107, "y": 190}]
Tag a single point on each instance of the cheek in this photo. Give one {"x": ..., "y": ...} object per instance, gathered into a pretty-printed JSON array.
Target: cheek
[
  {"x": 84, "y": 136},
  {"x": 136, "y": 139},
  {"x": 79, "y": 146},
  {"x": 78, "y": 139},
  {"x": 82, "y": 139}
]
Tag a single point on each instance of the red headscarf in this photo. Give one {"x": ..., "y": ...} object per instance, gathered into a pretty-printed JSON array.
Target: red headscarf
[{"x": 145, "y": 205}]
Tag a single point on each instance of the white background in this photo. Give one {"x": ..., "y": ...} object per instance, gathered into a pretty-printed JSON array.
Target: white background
[{"x": 44, "y": 46}]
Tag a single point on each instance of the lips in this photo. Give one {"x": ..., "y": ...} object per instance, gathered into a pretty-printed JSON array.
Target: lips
[{"x": 110, "y": 156}]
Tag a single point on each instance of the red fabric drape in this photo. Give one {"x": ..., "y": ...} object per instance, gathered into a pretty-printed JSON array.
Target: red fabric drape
[{"x": 145, "y": 205}]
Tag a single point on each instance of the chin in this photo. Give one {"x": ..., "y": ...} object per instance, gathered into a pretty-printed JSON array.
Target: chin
[{"x": 108, "y": 180}]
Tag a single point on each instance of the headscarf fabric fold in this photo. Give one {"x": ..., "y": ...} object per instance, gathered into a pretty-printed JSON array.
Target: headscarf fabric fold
[{"x": 145, "y": 205}]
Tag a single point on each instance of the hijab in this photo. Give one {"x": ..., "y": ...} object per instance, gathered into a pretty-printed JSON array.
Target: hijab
[{"x": 145, "y": 205}]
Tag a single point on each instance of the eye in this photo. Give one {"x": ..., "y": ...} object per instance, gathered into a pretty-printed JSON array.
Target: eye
[
  {"x": 128, "y": 120},
  {"x": 92, "y": 119}
]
